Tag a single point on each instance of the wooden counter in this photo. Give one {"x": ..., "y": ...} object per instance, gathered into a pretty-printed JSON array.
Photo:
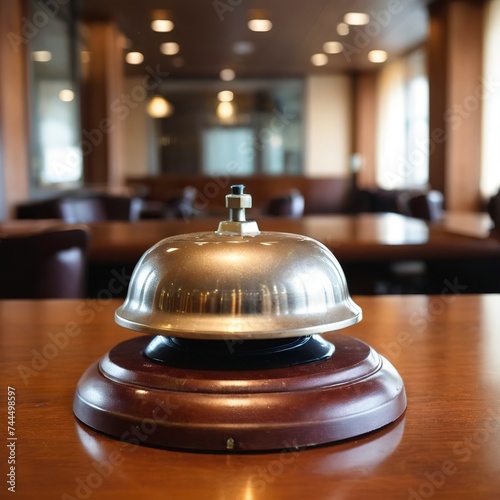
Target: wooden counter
[{"x": 447, "y": 446}]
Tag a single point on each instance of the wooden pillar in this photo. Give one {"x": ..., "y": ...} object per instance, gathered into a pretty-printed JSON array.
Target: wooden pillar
[
  {"x": 102, "y": 104},
  {"x": 365, "y": 123},
  {"x": 14, "y": 138},
  {"x": 456, "y": 93}
]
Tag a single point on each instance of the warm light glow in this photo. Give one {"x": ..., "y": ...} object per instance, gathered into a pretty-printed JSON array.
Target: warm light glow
[
  {"x": 356, "y": 18},
  {"x": 343, "y": 29},
  {"x": 85, "y": 56},
  {"x": 260, "y": 25},
  {"x": 225, "y": 110},
  {"x": 333, "y": 47},
  {"x": 377, "y": 56},
  {"x": 66, "y": 95},
  {"x": 159, "y": 107},
  {"x": 162, "y": 25},
  {"x": 41, "y": 55},
  {"x": 319, "y": 59},
  {"x": 225, "y": 96},
  {"x": 227, "y": 74},
  {"x": 134, "y": 57},
  {"x": 169, "y": 48}
]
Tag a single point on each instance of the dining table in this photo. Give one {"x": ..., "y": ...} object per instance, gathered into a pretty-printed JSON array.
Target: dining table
[
  {"x": 351, "y": 237},
  {"x": 365, "y": 236},
  {"x": 446, "y": 445},
  {"x": 461, "y": 246}
]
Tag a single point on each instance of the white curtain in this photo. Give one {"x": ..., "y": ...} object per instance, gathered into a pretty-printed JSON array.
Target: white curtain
[
  {"x": 391, "y": 138},
  {"x": 490, "y": 168}
]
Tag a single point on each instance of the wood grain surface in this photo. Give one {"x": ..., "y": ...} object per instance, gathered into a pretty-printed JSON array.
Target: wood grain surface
[{"x": 446, "y": 348}]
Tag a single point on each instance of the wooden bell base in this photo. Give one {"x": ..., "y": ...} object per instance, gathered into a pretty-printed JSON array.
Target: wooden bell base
[{"x": 140, "y": 401}]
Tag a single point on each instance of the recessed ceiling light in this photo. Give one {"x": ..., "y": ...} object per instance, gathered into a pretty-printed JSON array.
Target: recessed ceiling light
[
  {"x": 134, "y": 57},
  {"x": 41, "y": 55},
  {"x": 356, "y": 18},
  {"x": 225, "y": 96},
  {"x": 333, "y": 47},
  {"x": 319, "y": 59},
  {"x": 227, "y": 74},
  {"x": 159, "y": 107},
  {"x": 225, "y": 110},
  {"x": 259, "y": 20},
  {"x": 260, "y": 25},
  {"x": 377, "y": 56},
  {"x": 162, "y": 25},
  {"x": 161, "y": 21},
  {"x": 169, "y": 48},
  {"x": 343, "y": 29},
  {"x": 66, "y": 95}
]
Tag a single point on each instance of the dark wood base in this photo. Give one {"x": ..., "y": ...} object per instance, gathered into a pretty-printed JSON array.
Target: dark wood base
[{"x": 140, "y": 401}]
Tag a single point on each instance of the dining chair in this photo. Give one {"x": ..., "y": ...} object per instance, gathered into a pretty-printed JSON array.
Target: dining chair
[
  {"x": 425, "y": 205},
  {"x": 48, "y": 264},
  {"x": 290, "y": 204}
]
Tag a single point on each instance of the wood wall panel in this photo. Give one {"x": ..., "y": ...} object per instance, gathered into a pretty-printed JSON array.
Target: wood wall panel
[
  {"x": 102, "y": 107},
  {"x": 14, "y": 136},
  {"x": 365, "y": 122},
  {"x": 455, "y": 69}
]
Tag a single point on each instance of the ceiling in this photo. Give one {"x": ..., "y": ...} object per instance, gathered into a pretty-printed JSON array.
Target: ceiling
[{"x": 208, "y": 31}]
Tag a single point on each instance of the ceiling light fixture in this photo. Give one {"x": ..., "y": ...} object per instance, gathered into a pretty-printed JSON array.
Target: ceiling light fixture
[
  {"x": 134, "y": 57},
  {"x": 41, "y": 55},
  {"x": 225, "y": 96},
  {"x": 343, "y": 29},
  {"x": 319, "y": 59},
  {"x": 356, "y": 18},
  {"x": 159, "y": 107},
  {"x": 259, "y": 21},
  {"x": 161, "y": 21},
  {"x": 66, "y": 95},
  {"x": 377, "y": 56},
  {"x": 225, "y": 110},
  {"x": 333, "y": 47},
  {"x": 162, "y": 25},
  {"x": 169, "y": 48},
  {"x": 227, "y": 74}
]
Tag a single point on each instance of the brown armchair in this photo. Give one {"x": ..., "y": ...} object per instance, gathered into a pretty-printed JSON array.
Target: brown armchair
[{"x": 49, "y": 264}]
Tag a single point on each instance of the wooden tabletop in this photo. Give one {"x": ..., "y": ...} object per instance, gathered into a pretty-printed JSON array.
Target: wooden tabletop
[
  {"x": 447, "y": 446},
  {"x": 350, "y": 237},
  {"x": 366, "y": 237}
]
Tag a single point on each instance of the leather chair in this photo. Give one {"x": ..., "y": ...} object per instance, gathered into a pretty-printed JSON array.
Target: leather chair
[
  {"x": 180, "y": 205},
  {"x": 493, "y": 208},
  {"x": 82, "y": 208},
  {"x": 290, "y": 204},
  {"x": 427, "y": 206},
  {"x": 49, "y": 264}
]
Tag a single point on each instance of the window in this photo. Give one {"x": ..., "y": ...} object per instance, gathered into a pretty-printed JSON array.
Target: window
[
  {"x": 259, "y": 131},
  {"x": 402, "y": 157},
  {"x": 490, "y": 169},
  {"x": 55, "y": 102},
  {"x": 227, "y": 150}
]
